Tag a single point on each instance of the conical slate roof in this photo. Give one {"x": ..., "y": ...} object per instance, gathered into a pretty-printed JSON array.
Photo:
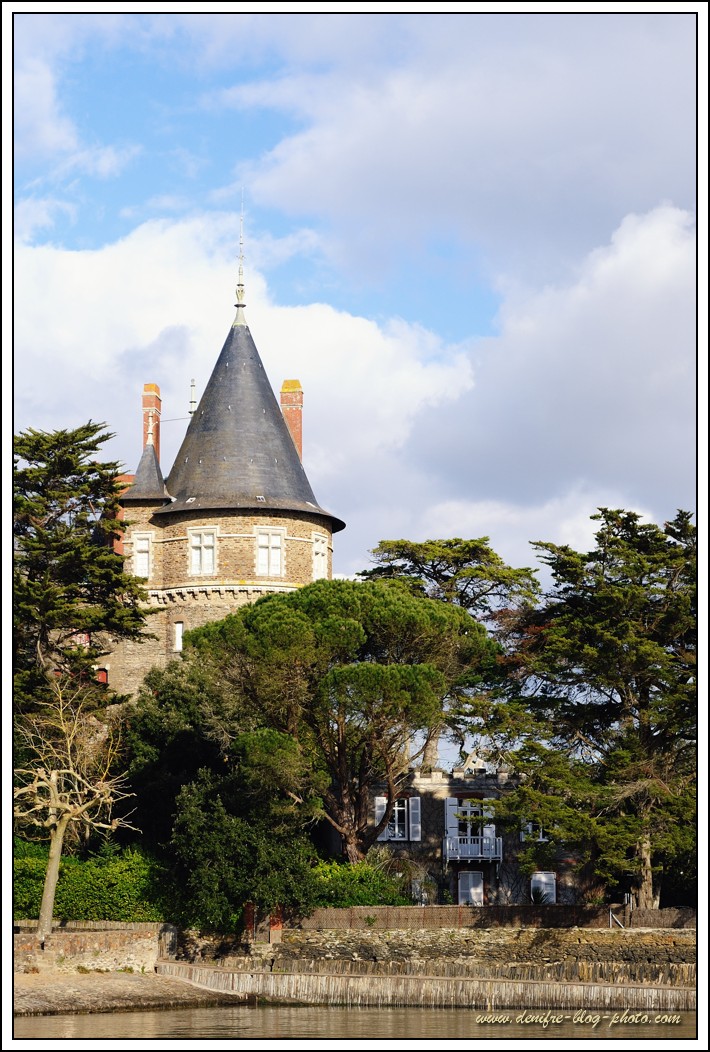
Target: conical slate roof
[
  {"x": 238, "y": 452},
  {"x": 148, "y": 483}
]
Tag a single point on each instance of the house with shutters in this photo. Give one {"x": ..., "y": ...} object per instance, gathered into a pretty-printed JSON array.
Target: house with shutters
[
  {"x": 234, "y": 519},
  {"x": 443, "y": 828}
]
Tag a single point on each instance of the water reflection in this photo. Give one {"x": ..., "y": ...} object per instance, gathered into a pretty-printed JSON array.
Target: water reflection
[{"x": 356, "y": 1024}]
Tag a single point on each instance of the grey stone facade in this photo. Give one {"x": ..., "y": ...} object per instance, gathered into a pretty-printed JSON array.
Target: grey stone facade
[{"x": 481, "y": 866}]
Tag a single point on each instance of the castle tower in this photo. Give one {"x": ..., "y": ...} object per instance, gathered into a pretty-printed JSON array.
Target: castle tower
[{"x": 236, "y": 517}]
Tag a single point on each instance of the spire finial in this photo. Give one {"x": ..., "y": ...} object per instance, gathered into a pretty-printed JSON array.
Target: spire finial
[
  {"x": 240, "y": 319},
  {"x": 193, "y": 402}
]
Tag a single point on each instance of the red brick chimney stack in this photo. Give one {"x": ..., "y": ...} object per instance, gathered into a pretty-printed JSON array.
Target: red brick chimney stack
[
  {"x": 151, "y": 416},
  {"x": 292, "y": 409}
]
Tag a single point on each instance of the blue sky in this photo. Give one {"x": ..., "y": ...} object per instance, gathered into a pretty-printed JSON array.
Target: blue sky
[{"x": 471, "y": 236}]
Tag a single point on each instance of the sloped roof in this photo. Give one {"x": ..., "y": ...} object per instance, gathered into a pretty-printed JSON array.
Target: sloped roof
[
  {"x": 238, "y": 452},
  {"x": 148, "y": 483}
]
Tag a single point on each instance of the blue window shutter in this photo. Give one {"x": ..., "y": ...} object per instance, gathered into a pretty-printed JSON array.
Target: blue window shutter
[
  {"x": 452, "y": 822},
  {"x": 415, "y": 818},
  {"x": 380, "y": 808}
]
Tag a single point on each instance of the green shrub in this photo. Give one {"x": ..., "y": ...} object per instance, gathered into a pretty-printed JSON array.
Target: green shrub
[
  {"x": 357, "y": 884},
  {"x": 126, "y": 887},
  {"x": 28, "y": 882}
]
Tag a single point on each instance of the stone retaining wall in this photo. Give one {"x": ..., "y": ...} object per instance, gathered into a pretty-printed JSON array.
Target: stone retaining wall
[
  {"x": 536, "y": 955},
  {"x": 496, "y": 944},
  {"x": 129, "y": 947},
  {"x": 429, "y": 991}
]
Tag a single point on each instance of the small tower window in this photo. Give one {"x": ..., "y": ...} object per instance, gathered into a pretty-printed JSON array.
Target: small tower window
[
  {"x": 141, "y": 554},
  {"x": 269, "y": 553},
  {"x": 178, "y": 629},
  {"x": 320, "y": 556},
  {"x": 202, "y": 551}
]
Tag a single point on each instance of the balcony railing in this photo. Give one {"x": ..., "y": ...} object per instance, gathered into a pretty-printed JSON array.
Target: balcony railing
[{"x": 473, "y": 847}]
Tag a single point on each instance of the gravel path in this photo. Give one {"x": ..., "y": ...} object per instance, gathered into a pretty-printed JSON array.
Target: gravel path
[{"x": 55, "y": 993}]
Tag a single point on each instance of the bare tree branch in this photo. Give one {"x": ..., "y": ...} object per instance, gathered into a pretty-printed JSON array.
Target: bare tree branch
[{"x": 66, "y": 777}]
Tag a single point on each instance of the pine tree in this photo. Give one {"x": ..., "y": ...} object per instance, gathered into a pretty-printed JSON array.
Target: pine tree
[
  {"x": 71, "y": 594},
  {"x": 607, "y": 664}
]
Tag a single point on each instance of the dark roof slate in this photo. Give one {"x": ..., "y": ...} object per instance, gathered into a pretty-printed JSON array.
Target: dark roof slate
[
  {"x": 148, "y": 483},
  {"x": 238, "y": 452}
]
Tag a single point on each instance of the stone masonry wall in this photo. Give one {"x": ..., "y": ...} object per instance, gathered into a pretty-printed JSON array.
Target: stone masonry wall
[
  {"x": 503, "y": 882},
  {"x": 664, "y": 958},
  {"x": 176, "y": 596},
  {"x": 236, "y": 547},
  {"x": 133, "y": 948}
]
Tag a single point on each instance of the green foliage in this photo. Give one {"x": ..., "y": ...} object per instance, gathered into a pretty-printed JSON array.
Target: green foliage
[
  {"x": 185, "y": 722},
  {"x": 168, "y": 741},
  {"x": 127, "y": 887},
  {"x": 68, "y": 582},
  {"x": 465, "y": 572},
  {"x": 224, "y": 858},
  {"x": 224, "y": 800},
  {"x": 607, "y": 670},
  {"x": 28, "y": 882},
  {"x": 614, "y": 645},
  {"x": 468, "y": 574},
  {"x": 350, "y": 671},
  {"x": 357, "y": 884}
]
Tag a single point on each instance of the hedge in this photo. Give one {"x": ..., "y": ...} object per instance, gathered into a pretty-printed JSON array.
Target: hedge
[{"x": 127, "y": 887}]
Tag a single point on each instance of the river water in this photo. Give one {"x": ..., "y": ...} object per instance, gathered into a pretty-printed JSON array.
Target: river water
[{"x": 409, "y": 1026}]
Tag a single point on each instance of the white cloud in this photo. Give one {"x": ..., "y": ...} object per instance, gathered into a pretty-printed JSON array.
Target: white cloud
[
  {"x": 34, "y": 214},
  {"x": 584, "y": 399},
  {"x": 93, "y": 326},
  {"x": 564, "y": 519},
  {"x": 104, "y": 162},
  {"x": 505, "y": 143},
  {"x": 595, "y": 379},
  {"x": 40, "y": 125}
]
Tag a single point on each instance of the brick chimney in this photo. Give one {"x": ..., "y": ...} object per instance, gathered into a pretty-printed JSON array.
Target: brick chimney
[
  {"x": 151, "y": 411},
  {"x": 292, "y": 409}
]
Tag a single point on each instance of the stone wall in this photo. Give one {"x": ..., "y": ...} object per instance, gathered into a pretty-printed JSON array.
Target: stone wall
[
  {"x": 177, "y": 596},
  {"x": 667, "y": 918},
  {"x": 235, "y": 551},
  {"x": 470, "y": 991},
  {"x": 125, "y": 947},
  {"x": 498, "y": 963},
  {"x": 462, "y": 968}
]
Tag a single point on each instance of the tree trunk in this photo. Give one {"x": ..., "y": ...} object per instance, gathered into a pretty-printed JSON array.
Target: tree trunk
[
  {"x": 430, "y": 757},
  {"x": 351, "y": 848},
  {"x": 644, "y": 896},
  {"x": 46, "y": 912}
]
